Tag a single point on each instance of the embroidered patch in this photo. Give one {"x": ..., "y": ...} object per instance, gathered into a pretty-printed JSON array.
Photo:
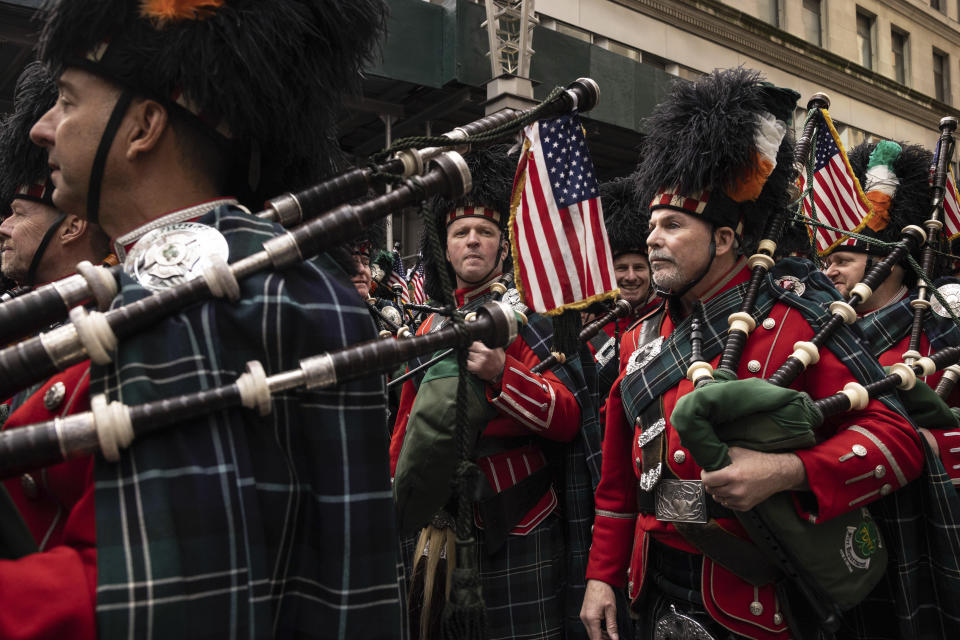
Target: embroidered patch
[
  {"x": 643, "y": 355},
  {"x": 174, "y": 254},
  {"x": 860, "y": 543},
  {"x": 950, "y": 293},
  {"x": 791, "y": 283}
]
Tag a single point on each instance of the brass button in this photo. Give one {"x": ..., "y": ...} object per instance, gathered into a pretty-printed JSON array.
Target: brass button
[
  {"x": 769, "y": 323},
  {"x": 29, "y": 486},
  {"x": 679, "y": 456},
  {"x": 630, "y": 585},
  {"x": 753, "y": 366},
  {"x": 859, "y": 450},
  {"x": 54, "y": 395},
  {"x": 756, "y": 608},
  {"x": 777, "y": 618},
  {"x": 879, "y": 471},
  {"x": 886, "y": 489}
]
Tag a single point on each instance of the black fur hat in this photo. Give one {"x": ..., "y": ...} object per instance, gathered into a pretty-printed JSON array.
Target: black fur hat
[
  {"x": 493, "y": 170},
  {"x": 266, "y": 75},
  {"x": 23, "y": 165},
  {"x": 703, "y": 150},
  {"x": 911, "y": 200},
  {"x": 625, "y": 216}
]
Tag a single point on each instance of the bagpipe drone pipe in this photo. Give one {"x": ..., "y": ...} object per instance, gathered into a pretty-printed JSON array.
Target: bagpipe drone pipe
[
  {"x": 407, "y": 170},
  {"x": 95, "y": 335},
  {"x": 110, "y": 427},
  {"x": 800, "y": 552}
]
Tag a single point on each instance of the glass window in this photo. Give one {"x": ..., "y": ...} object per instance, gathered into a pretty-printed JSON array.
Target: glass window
[
  {"x": 898, "y": 43},
  {"x": 941, "y": 76},
  {"x": 865, "y": 39},
  {"x": 811, "y": 22}
]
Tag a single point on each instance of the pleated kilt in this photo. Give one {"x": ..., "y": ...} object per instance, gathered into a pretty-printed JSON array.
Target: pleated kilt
[{"x": 522, "y": 583}]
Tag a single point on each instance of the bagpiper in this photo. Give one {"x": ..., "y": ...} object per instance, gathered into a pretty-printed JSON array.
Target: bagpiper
[
  {"x": 526, "y": 422},
  {"x": 716, "y": 164},
  {"x": 170, "y": 116}
]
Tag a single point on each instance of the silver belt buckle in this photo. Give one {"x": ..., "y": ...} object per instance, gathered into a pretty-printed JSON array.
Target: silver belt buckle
[
  {"x": 676, "y": 626},
  {"x": 680, "y": 501}
]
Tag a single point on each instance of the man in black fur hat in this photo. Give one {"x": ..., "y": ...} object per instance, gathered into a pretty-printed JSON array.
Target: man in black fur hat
[
  {"x": 715, "y": 164},
  {"x": 527, "y": 422},
  {"x": 234, "y": 524},
  {"x": 625, "y": 217},
  {"x": 41, "y": 244},
  {"x": 895, "y": 179}
]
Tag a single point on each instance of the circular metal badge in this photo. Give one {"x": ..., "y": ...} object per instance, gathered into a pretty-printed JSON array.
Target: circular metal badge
[
  {"x": 174, "y": 254},
  {"x": 791, "y": 283},
  {"x": 950, "y": 293}
]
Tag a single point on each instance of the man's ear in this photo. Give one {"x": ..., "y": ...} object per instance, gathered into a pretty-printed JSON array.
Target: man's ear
[
  {"x": 72, "y": 229},
  {"x": 724, "y": 238},
  {"x": 148, "y": 120}
]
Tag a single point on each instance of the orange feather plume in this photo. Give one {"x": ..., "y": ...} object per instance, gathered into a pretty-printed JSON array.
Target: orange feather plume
[{"x": 164, "y": 12}]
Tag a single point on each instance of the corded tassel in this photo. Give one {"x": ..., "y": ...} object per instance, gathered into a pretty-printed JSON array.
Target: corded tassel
[{"x": 464, "y": 617}]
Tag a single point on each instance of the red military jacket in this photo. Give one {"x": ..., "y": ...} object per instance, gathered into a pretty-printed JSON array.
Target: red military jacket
[
  {"x": 840, "y": 478},
  {"x": 52, "y": 593},
  {"x": 528, "y": 404}
]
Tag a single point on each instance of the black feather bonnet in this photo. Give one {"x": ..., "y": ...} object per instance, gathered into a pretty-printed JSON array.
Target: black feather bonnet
[
  {"x": 23, "y": 165},
  {"x": 709, "y": 148},
  {"x": 267, "y": 75}
]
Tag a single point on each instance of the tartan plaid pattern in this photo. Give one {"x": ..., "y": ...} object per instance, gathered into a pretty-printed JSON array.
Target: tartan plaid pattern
[
  {"x": 581, "y": 469},
  {"x": 235, "y": 525},
  {"x": 920, "y": 521},
  {"x": 886, "y": 327}
]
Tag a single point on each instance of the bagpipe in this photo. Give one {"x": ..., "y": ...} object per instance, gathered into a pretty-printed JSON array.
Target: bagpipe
[
  {"x": 94, "y": 334},
  {"x": 416, "y": 173},
  {"x": 110, "y": 427},
  {"x": 497, "y": 290},
  {"x": 799, "y": 551}
]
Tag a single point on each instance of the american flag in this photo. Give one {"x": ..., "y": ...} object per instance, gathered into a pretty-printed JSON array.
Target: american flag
[
  {"x": 951, "y": 204},
  {"x": 557, "y": 231},
  {"x": 416, "y": 284},
  {"x": 836, "y": 194},
  {"x": 397, "y": 278}
]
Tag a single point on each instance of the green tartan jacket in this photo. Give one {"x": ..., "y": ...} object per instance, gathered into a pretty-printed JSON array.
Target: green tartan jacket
[{"x": 235, "y": 525}]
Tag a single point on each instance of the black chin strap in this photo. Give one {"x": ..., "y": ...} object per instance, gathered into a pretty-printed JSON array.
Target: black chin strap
[
  {"x": 103, "y": 149},
  {"x": 42, "y": 248},
  {"x": 663, "y": 293}
]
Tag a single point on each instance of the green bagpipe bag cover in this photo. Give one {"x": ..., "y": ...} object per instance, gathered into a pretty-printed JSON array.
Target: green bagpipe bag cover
[
  {"x": 429, "y": 456},
  {"x": 842, "y": 558}
]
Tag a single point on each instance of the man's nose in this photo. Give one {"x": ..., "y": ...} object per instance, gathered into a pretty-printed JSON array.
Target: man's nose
[{"x": 41, "y": 134}]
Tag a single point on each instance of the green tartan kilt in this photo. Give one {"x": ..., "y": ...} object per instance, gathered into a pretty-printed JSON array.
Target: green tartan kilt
[{"x": 522, "y": 582}]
